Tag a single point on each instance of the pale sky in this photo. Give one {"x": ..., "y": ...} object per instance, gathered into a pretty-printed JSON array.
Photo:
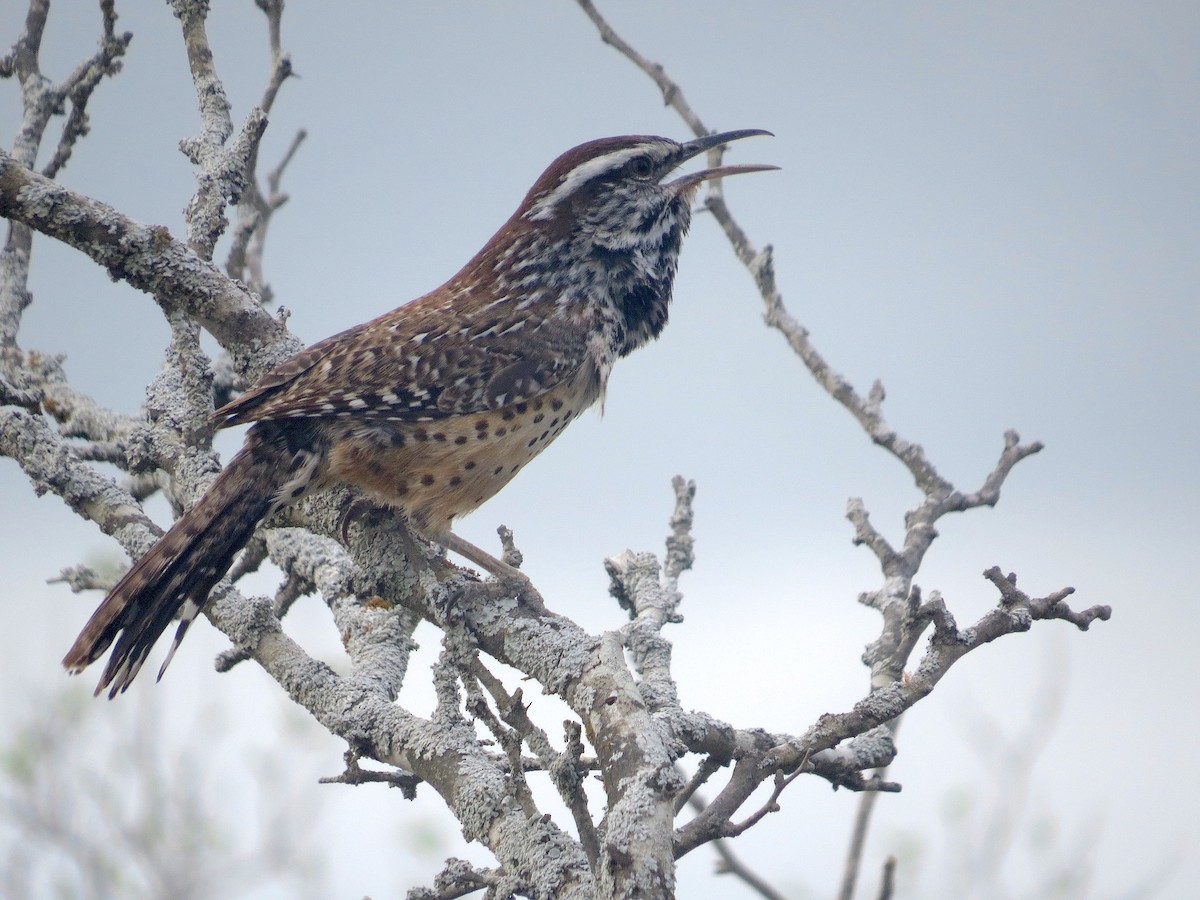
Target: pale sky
[{"x": 990, "y": 207}]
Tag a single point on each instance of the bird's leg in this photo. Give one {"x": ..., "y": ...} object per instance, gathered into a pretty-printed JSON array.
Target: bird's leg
[
  {"x": 500, "y": 570},
  {"x": 479, "y": 556}
]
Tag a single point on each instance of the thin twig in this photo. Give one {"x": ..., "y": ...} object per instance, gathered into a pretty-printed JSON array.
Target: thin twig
[
  {"x": 254, "y": 210},
  {"x": 887, "y": 885},
  {"x": 509, "y": 739},
  {"x": 858, "y": 835},
  {"x": 898, "y": 600},
  {"x": 708, "y": 767},
  {"x": 731, "y": 864},
  {"x": 672, "y": 93},
  {"x": 565, "y": 769},
  {"x": 355, "y": 774}
]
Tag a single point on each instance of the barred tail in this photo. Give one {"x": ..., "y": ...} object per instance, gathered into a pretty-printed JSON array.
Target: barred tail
[{"x": 178, "y": 572}]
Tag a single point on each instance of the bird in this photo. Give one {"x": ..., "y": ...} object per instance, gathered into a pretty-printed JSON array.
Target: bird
[{"x": 433, "y": 407}]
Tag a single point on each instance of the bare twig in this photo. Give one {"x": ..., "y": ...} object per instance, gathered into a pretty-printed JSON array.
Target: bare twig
[
  {"x": 708, "y": 767},
  {"x": 887, "y": 884},
  {"x": 1015, "y": 613},
  {"x": 732, "y": 829},
  {"x": 355, "y": 774},
  {"x": 888, "y": 656},
  {"x": 509, "y": 739},
  {"x": 1010, "y": 761},
  {"x": 41, "y": 100},
  {"x": 730, "y": 864},
  {"x": 672, "y": 93},
  {"x": 568, "y": 772},
  {"x": 565, "y": 769},
  {"x": 80, "y": 84},
  {"x": 680, "y": 545},
  {"x": 898, "y": 600},
  {"x": 858, "y": 834},
  {"x": 81, "y": 578},
  {"x": 511, "y": 554},
  {"x": 459, "y": 878},
  {"x": 255, "y": 209}
]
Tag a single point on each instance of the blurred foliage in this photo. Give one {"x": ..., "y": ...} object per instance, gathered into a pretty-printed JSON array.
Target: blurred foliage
[{"x": 97, "y": 801}]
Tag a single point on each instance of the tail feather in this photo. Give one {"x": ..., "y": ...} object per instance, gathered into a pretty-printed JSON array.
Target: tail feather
[{"x": 176, "y": 574}]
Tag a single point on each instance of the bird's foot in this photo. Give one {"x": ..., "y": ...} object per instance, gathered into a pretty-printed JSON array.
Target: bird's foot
[{"x": 505, "y": 574}]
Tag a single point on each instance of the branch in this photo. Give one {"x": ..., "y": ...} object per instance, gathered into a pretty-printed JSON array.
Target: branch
[
  {"x": 509, "y": 740},
  {"x": 565, "y": 769},
  {"x": 681, "y": 553},
  {"x": 459, "y": 878},
  {"x": 42, "y": 100},
  {"x": 887, "y": 884},
  {"x": 80, "y": 84},
  {"x": 888, "y": 655},
  {"x": 82, "y": 578},
  {"x": 37, "y": 382},
  {"x": 899, "y": 567},
  {"x": 448, "y": 757},
  {"x": 356, "y": 775},
  {"x": 862, "y": 824},
  {"x": 358, "y": 707},
  {"x": 148, "y": 258},
  {"x": 652, "y": 598},
  {"x": 1016, "y": 603},
  {"x": 672, "y": 93},
  {"x": 222, "y": 173},
  {"x": 390, "y": 580},
  {"x": 254, "y": 210},
  {"x": 731, "y": 864},
  {"x": 51, "y": 466},
  {"x": 1015, "y": 613},
  {"x": 245, "y": 259}
]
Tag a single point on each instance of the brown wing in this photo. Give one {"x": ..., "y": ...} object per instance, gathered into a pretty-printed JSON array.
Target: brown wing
[{"x": 418, "y": 363}]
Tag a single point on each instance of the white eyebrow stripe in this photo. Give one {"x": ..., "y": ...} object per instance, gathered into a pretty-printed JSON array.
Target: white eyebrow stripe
[{"x": 581, "y": 174}]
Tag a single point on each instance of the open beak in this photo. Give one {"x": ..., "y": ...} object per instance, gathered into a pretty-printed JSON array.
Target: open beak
[{"x": 694, "y": 148}]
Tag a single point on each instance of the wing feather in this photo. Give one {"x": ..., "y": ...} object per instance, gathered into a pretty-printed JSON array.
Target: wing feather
[{"x": 404, "y": 367}]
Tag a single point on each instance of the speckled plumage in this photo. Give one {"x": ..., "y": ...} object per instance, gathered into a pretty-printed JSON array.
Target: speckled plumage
[{"x": 435, "y": 406}]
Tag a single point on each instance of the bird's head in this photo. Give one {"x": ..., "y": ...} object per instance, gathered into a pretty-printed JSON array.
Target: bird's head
[
  {"x": 610, "y": 220},
  {"x": 596, "y": 239},
  {"x": 616, "y": 190}
]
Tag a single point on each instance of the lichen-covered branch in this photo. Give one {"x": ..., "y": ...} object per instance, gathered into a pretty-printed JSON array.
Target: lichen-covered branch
[
  {"x": 221, "y": 171},
  {"x": 898, "y": 599},
  {"x": 1015, "y": 613},
  {"x": 256, "y": 207},
  {"x": 42, "y": 99},
  {"x": 52, "y": 467},
  {"x": 379, "y": 580},
  {"x": 148, "y": 258},
  {"x": 444, "y": 753},
  {"x": 79, "y": 86}
]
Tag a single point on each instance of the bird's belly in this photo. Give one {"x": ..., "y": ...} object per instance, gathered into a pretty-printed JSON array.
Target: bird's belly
[{"x": 435, "y": 471}]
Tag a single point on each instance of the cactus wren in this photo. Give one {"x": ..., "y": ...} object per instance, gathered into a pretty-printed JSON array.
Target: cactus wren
[{"x": 435, "y": 406}]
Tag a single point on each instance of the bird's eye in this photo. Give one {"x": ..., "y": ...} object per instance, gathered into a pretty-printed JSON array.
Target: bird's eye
[{"x": 641, "y": 167}]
